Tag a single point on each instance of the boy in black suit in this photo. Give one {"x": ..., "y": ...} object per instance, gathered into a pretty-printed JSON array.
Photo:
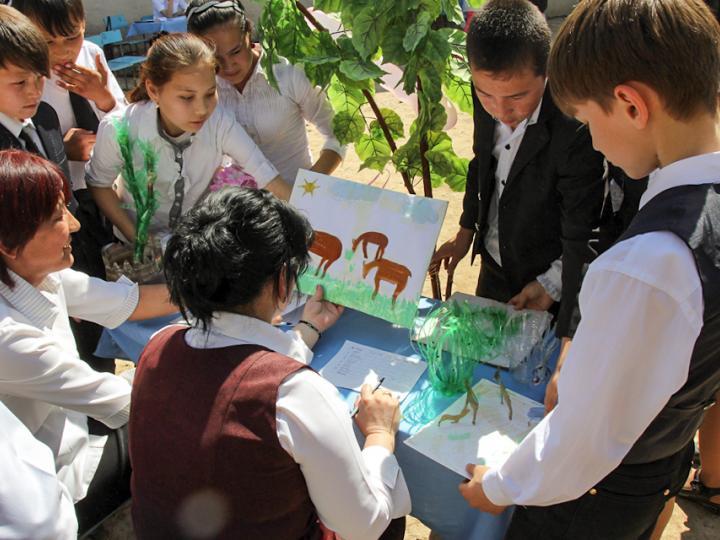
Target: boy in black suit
[{"x": 534, "y": 188}]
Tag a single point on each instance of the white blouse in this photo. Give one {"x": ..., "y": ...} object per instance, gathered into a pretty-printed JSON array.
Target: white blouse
[
  {"x": 220, "y": 135},
  {"x": 355, "y": 492},
  {"x": 44, "y": 382},
  {"x": 276, "y": 121},
  {"x": 59, "y": 99},
  {"x": 33, "y": 504}
]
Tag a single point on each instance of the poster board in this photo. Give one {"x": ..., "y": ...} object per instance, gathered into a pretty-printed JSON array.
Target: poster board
[{"x": 372, "y": 246}]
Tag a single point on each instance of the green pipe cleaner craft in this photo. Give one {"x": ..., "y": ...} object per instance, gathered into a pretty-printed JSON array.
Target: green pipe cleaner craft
[{"x": 140, "y": 183}]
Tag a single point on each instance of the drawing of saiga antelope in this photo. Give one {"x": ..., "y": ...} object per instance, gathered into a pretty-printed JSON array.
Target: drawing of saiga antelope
[
  {"x": 328, "y": 248},
  {"x": 371, "y": 237},
  {"x": 389, "y": 271}
]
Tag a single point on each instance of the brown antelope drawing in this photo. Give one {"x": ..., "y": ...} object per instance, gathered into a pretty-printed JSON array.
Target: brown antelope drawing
[
  {"x": 371, "y": 237},
  {"x": 328, "y": 248},
  {"x": 389, "y": 271}
]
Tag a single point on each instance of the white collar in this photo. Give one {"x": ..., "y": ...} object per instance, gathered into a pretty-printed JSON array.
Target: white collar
[
  {"x": 242, "y": 329},
  {"x": 15, "y": 126},
  {"x": 30, "y": 301},
  {"x": 692, "y": 171}
]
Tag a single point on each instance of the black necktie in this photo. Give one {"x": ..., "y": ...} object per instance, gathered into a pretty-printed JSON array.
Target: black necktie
[
  {"x": 85, "y": 116},
  {"x": 30, "y": 145}
]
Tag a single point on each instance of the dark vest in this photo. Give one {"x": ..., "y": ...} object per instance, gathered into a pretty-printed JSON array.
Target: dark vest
[
  {"x": 204, "y": 446},
  {"x": 693, "y": 214}
]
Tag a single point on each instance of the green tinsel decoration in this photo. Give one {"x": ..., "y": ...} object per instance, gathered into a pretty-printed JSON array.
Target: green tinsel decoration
[{"x": 140, "y": 183}]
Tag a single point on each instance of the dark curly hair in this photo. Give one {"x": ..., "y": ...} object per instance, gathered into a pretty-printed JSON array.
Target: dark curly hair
[{"x": 226, "y": 248}]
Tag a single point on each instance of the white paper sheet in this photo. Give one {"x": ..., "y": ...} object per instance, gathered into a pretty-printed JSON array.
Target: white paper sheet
[
  {"x": 489, "y": 442},
  {"x": 356, "y": 364}
]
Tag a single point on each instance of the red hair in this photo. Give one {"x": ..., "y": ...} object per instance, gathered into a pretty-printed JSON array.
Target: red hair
[{"x": 30, "y": 189}]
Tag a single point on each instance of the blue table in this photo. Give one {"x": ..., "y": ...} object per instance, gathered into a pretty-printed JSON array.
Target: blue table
[
  {"x": 436, "y": 500},
  {"x": 175, "y": 24}
]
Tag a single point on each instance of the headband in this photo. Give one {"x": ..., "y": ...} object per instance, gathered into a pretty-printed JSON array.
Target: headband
[{"x": 224, "y": 4}]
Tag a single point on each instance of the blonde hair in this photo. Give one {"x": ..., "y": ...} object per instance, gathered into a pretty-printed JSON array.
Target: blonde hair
[{"x": 169, "y": 54}]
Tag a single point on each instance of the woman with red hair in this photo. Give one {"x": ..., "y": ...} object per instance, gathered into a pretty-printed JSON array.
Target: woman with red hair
[{"x": 77, "y": 412}]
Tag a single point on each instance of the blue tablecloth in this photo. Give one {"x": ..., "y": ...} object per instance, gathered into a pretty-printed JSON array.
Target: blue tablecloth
[
  {"x": 176, "y": 24},
  {"x": 436, "y": 500}
]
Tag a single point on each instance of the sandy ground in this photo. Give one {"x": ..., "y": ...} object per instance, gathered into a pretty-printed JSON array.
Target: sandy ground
[{"x": 689, "y": 521}]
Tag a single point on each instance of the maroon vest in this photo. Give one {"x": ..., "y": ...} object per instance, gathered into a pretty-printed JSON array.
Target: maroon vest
[{"x": 204, "y": 449}]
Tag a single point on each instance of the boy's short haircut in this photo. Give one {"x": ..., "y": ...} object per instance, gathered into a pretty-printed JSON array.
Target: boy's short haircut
[
  {"x": 21, "y": 43},
  {"x": 56, "y": 17},
  {"x": 673, "y": 46},
  {"x": 508, "y": 36}
]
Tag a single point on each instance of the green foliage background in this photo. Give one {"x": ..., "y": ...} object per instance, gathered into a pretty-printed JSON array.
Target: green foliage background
[{"x": 402, "y": 32}]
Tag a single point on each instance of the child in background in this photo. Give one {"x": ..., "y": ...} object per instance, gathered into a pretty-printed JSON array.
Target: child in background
[
  {"x": 274, "y": 119},
  {"x": 174, "y": 110}
]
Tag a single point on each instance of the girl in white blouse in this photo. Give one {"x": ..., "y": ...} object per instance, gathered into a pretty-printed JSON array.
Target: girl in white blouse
[
  {"x": 174, "y": 110},
  {"x": 275, "y": 120}
]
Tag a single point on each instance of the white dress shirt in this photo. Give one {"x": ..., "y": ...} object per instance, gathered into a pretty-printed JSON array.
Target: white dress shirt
[
  {"x": 44, "y": 382},
  {"x": 33, "y": 504},
  {"x": 276, "y": 121},
  {"x": 15, "y": 127},
  {"x": 221, "y": 134},
  {"x": 642, "y": 311},
  {"x": 160, "y": 5},
  {"x": 356, "y": 493},
  {"x": 505, "y": 148},
  {"x": 59, "y": 99}
]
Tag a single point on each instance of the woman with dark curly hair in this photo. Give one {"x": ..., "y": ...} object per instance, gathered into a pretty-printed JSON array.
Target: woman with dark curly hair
[{"x": 261, "y": 446}]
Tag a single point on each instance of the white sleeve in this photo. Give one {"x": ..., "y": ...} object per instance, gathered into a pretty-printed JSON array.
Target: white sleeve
[
  {"x": 105, "y": 161},
  {"x": 356, "y": 493},
  {"x": 551, "y": 280},
  {"x": 630, "y": 354},
  {"x": 236, "y": 143},
  {"x": 314, "y": 105},
  {"x": 35, "y": 366},
  {"x": 33, "y": 503},
  {"x": 103, "y": 302}
]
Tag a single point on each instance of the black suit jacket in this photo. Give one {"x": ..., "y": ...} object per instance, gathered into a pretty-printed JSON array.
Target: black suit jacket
[
  {"x": 48, "y": 129},
  {"x": 552, "y": 197}
]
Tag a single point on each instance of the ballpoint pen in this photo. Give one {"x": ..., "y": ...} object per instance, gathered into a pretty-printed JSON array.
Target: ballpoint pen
[{"x": 355, "y": 409}]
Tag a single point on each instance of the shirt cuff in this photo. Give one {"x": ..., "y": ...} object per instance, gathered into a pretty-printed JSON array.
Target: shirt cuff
[
  {"x": 379, "y": 459},
  {"x": 334, "y": 145},
  {"x": 264, "y": 174},
  {"x": 492, "y": 486},
  {"x": 551, "y": 280},
  {"x": 118, "y": 419},
  {"x": 127, "y": 307}
]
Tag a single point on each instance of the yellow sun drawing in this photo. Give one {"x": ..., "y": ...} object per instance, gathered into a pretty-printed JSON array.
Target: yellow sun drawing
[{"x": 309, "y": 187}]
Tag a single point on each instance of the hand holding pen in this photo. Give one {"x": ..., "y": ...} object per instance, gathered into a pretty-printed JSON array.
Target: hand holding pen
[{"x": 378, "y": 415}]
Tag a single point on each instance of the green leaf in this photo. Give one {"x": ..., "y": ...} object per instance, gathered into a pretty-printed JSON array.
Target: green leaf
[
  {"x": 374, "y": 151},
  {"x": 344, "y": 97},
  {"x": 366, "y": 31},
  {"x": 436, "y": 49},
  {"x": 393, "y": 122},
  {"x": 328, "y": 6},
  {"x": 431, "y": 83},
  {"x": 459, "y": 92},
  {"x": 392, "y": 47},
  {"x": 407, "y": 158},
  {"x": 452, "y": 10},
  {"x": 417, "y": 31},
  {"x": 476, "y": 3},
  {"x": 348, "y": 127},
  {"x": 440, "y": 152},
  {"x": 358, "y": 70}
]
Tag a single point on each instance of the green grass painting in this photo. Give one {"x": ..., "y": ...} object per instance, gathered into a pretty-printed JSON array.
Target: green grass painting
[{"x": 358, "y": 295}]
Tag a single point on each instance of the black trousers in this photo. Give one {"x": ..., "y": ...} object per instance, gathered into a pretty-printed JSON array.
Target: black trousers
[
  {"x": 492, "y": 282},
  {"x": 624, "y": 506},
  {"x": 110, "y": 487}
]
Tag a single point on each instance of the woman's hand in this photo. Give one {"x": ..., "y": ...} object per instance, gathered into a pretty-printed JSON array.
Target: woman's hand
[
  {"x": 378, "y": 416},
  {"x": 321, "y": 313}
]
